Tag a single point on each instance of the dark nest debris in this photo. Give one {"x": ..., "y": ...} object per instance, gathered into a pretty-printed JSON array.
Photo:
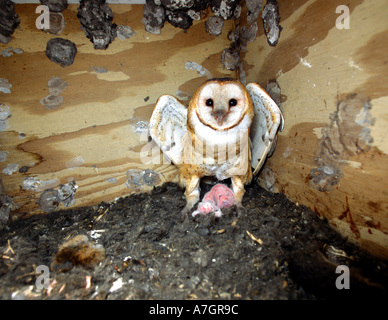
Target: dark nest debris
[
  {"x": 9, "y": 20},
  {"x": 181, "y": 13},
  {"x": 55, "y": 5},
  {"x": 96, "y": 20},
  {"x": 61, "y": 51},
  {"x": 136, "y": 248}
]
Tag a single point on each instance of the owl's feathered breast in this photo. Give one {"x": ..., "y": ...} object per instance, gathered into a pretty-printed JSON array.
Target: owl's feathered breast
[{"x": 220, "y": 153}]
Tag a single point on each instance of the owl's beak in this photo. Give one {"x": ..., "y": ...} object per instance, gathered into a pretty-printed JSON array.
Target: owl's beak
[{"x": 220, "y": 115}]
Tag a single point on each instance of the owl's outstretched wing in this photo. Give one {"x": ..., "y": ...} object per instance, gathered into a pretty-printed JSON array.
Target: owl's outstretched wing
[
  {"x": 268, "y": 119},
  {"x": 168, "y": 126}
]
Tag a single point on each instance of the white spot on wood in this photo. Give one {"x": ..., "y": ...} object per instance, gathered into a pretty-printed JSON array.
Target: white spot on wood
[
  {"x": 107, "y": 76},
  {"x": 111, "y": 180},
  {"x": 5, "y": 86},
  {"x": 3, "y": 155},
  {"x": 353, "y": 65},
  {"x": 5, "y": 113},
  {"x": 75, "y": 162},
  {"x": 353, "y": 164},
  {"x": 11, "y": 168},
  {"x": 200, "y": 69},
  {"x": 279, "y": 73},
  {"x": 287, "y": 152},
  {"x": 305, "y": 62},
  {"x": 125, "y": 32},
  {"x": 141, "y": 127},
  {"x": 318, "y": 132},
  {"x": 35, "y": 184}
]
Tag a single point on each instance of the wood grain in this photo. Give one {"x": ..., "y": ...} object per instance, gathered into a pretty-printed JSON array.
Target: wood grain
[
  {"x": 317, "y": 66},
  {"x": 91, "y": 138}
]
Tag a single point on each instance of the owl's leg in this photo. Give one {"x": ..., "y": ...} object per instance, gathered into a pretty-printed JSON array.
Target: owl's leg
[
  {"x": 239, "y": 190},
  {"x": 192, "y": 195}
]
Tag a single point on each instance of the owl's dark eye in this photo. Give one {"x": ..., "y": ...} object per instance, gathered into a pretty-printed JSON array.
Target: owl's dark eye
[
  {"x": 232, "y": 102},
  {"x": 209, "y": 102}
]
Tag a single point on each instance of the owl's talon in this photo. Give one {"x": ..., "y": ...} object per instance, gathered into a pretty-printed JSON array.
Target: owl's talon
[
  {"x": 240, "y": 210},
  {"x": 184, "y": 214}
]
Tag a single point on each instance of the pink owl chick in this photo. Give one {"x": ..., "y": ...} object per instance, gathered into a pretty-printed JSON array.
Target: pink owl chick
[{"x": 220, "y": 196}]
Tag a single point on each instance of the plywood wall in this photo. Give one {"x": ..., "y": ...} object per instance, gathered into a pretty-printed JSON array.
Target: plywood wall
[
  {"x": 332, "y": 154},
  {"x": 95, "y": 137}
]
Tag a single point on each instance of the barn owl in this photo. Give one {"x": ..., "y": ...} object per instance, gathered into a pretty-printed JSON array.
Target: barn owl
[{"x": 226, "y": 130}]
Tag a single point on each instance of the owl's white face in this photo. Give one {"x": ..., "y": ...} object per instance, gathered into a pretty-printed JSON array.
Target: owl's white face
[{"x": 221, "y": 105}]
